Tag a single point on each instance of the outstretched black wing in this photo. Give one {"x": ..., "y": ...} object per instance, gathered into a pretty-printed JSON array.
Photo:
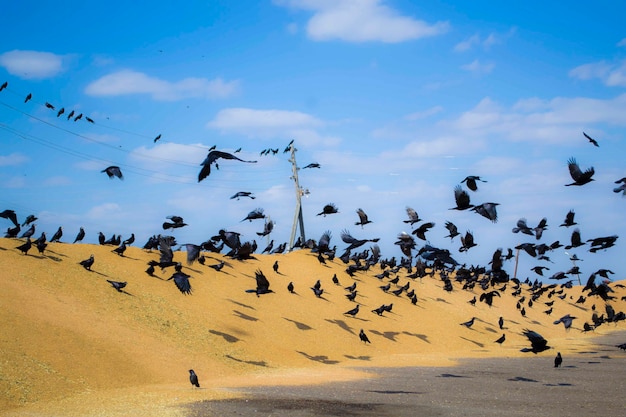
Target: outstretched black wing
[
  {"x": 182, "y": 282},
  {"x": 211, "y": 158}
]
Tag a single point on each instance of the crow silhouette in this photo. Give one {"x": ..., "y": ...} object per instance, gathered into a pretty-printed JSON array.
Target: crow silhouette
[
  {"x": 113, "y": 171},
  {"x": 537, "y": 342},
  {"x": 211, "y": 159},
  {"x": 579, "y": 177}
]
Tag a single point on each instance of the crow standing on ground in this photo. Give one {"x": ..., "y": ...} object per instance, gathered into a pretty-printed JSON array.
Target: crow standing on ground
[
  {"x": 364, "y": 337},
  {"x": 193, "y": 378},
  {"x": 558, "y": 360}
]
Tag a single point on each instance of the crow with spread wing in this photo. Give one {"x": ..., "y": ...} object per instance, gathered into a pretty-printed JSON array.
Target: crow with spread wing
[{"x": 211, "y": 158}]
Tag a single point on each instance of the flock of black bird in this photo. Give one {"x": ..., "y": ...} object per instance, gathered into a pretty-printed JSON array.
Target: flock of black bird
[{"x": 415, "y": 262}]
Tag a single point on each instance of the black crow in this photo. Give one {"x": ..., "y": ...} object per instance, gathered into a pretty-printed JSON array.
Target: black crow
[
  {"x": 591, "y": 140},
  {"x": 193, "y": 378},
  {"x": 328, "y": 209},
  {"x": 558, "y": 360},
  {"x": 117, "y": 285},
  {"x": 10, "y": 215},
  {"x": 211, "y": 158},
  {"x": 538, "y": 343},
  {"x": 182, "y": 282},
  {"x": 566, "y": 320},
  {"x": 353, "y": 312},
  {"x": 113, "y": 171},
  {"x": 87, "y": 263},
  {"x": 364, "y": 337},
  {"x": 413, "y": 216},
  {"x": 579, "y": 177},
  {"x": 80, "y": 236},
  {"x": 569, "y": 219},
  {"x": 468, "y": 323},
  {"x": 24, "y": 248},
  {"x": 420, "y": 232},
  {"x": 470, "y": 181},
  {"x": 363, "y": 220},
  {"x": 462, "y": 199},
  {"x": 240, "y": 194},
  {"x": 487, "y": 210},
  {"x": 501, "y": 339},
  {"x": 57, "y": 235}
]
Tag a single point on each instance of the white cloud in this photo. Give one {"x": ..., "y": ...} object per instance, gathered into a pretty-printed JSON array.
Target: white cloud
[
  {"x": 424, "y": 113},
  {"x": 104, "y": 211},
  {"x": 476, "y": 40},
  {"x": 235, "y": 118},
  {"x": 467, "y": 44},
  {"x": 32, "y": 64},
  {"x": 127, "y": 82},
  {"x": 273, "y": 123},
  {"x": 611, "y": 74},
  {"x": 622, "y": 42},
  {"x": 362, "y": 21},
  {"x": 553, "y": 121},
  {"x": 478, "y": 67},
  {"x": 12, "y": 159}
]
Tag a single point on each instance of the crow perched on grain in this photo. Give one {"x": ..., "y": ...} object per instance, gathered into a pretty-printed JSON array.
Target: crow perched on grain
[
  {"x": 468, "y": 323},
  {"x": 24, "y": 248},
  {"x": 353, "y": 312},
  {"x": 193, "y": 378},
  {"x": 117, "y": 285},
  {"x": 501, "y": 339},
  {"x": 364, "y": 337},
  {"x": 87, "y": 263}
]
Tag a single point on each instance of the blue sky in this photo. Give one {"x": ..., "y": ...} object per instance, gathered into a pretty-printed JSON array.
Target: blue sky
[{"x": 397, "y": 101}]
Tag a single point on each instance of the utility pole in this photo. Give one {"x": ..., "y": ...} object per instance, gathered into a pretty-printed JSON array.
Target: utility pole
[{"x": 298, "y": 220}]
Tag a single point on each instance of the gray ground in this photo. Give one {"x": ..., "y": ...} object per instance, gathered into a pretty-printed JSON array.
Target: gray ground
[{"x": 588, "y": 383}]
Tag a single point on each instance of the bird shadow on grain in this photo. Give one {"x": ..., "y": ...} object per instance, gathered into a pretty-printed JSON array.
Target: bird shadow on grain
[
  {"x": 299, "y": 325},
  {"x": 452, "y": 376},
  {"x": 228, "y": 337},
  {"x": 387, "y": 335},
  {"x": 255, "y": 363},
  {"x": 241, "y": 304},
  {"x": 441, "y": 300},
  {"x": 244, "y": 316},
  {"x": 522, "y": 379},
  {"x": 393, "y": 392},
  {"x": 359, "y": 358},
  {"x": 560, "y": 384},
  {"x": 422, "y": 337},
  {"x": 319, "y": 358},
  {"x": 473, "y": 341},
  {"x": 54, "y": 258},
  {"x": 342, "y": 324}
]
